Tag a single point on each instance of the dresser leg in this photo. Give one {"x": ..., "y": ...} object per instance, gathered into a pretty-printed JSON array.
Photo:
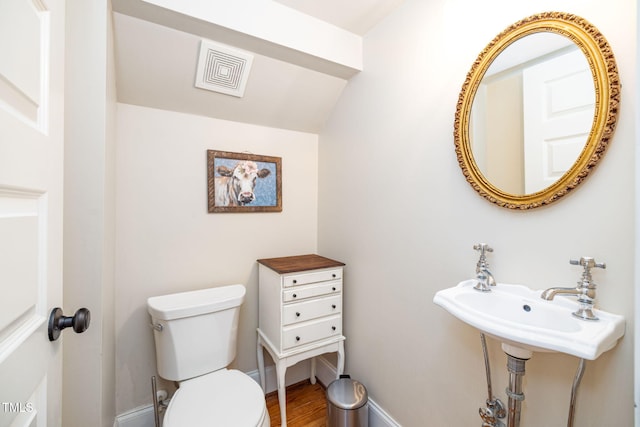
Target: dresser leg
[
  {"x": 312, "y": 378},
  {"x": 260, "y": 351},
  {"x": 340, "y": 367},
  {"x": 281, "y": 369}
]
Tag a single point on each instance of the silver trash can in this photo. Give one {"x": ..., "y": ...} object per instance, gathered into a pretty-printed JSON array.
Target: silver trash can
[{"x": 347, "y": 403}]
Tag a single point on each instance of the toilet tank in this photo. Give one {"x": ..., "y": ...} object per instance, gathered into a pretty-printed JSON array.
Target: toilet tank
[{"x": 195, "y": 332}]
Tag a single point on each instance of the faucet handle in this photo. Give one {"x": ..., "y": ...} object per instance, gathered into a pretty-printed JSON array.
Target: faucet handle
[
  {"x": 482, "y": 247},
  {"x": 587, "y": 262}
]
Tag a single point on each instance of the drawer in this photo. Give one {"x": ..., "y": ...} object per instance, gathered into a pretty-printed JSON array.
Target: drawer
[
  {"x": 313, "y": 330},
  {"x": 311, "y": 309},
  {"x": 314, "y": 277},
  {"x": 310, "y": 291}
]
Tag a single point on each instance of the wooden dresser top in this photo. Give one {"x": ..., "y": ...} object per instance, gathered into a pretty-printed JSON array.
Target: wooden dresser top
[{"x": 292, "y": 264}]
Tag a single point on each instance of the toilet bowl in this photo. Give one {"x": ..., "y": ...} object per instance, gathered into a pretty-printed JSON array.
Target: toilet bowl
[
  {"x": 223, "y": 398},
  {"x": 195, "y": 335}
]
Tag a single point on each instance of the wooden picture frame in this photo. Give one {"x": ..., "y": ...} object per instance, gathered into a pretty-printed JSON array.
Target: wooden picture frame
[{"x": 242, "y": 182}]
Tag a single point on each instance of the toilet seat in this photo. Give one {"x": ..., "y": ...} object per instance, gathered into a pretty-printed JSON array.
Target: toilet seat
[{"x": 226, "y": 397}]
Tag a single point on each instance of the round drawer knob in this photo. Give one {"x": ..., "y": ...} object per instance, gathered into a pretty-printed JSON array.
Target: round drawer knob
[
  {"x": 297, "y": 338},
  {"x": 297, "y": 314},
  {"x": 295, "y": 281},
  {"x": 294, "y": 295},
  {"x": 333, "y": 328},
  {"x": 333, "y": 275},
  {"x": 334, "y": 288},
  {"x": 333, "y": 306}
]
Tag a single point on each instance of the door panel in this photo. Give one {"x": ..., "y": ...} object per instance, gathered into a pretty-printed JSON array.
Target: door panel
[
  {"x": 559, "y": 102},
  {"x": 24, "y": 26},
  {"x": 31, "y": 153},
  {"x": 19, "y": 250}
]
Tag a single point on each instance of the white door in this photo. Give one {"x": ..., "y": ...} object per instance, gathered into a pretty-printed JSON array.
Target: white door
[
  {"x": 31, "y": 150},
  {"x": 559, "y": 101}
]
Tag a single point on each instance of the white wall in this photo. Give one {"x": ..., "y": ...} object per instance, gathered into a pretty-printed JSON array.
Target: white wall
[
  {"x": 637, "y": 245},
  {"x": 89, "y": 214},
  {"x": 166, "y": 240},
  {"x": 394, "y": 206}
]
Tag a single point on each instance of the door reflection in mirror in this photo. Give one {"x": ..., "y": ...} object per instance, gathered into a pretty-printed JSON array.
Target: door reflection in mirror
[{"x": 532, "y": 113}]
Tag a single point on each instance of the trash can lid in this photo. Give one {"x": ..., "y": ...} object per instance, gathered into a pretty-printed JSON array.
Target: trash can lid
[{"x": 346, "y": 393}]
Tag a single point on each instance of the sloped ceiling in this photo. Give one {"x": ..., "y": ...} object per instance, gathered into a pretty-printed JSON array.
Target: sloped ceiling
[
  {"x": 356, "y": 16},
  {"x": 304, "y": 53}
]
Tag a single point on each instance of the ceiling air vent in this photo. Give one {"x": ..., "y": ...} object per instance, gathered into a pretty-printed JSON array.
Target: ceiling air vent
[{"x": 223, "y": 69}]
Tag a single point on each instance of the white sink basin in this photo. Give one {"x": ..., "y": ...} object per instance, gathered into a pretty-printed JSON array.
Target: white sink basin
[{"x": 525, "y": 323}]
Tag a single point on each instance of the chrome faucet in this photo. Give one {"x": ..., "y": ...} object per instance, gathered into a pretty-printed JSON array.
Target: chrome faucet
[
  {"x": 484, "y": 277},
  {"x": 585, "y": 291}
]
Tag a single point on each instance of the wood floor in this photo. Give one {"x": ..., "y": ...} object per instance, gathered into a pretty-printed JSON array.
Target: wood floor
[{"x": 306, "y": 406}]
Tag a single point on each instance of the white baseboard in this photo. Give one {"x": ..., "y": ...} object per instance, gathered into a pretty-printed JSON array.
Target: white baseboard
[
  {"x": 295, "y": 374},
  {"x": 378, "y": 417},
  {"x": 325, "y": 373},
  {"x": 141, "y": 416}
]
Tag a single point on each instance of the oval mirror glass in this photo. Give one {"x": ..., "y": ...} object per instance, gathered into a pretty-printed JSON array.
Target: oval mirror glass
[{"x": 537, "y": 110}]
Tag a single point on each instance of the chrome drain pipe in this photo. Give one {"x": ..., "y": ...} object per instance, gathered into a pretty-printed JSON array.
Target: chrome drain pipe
[
  {"x": 515, "y": 367},
  {"x": 487, "y": 366},
  {"x": 156, "y": 406},
  {"x": 160, "y": 401},
  {"x": 574, "y": 391},
  {"x": 495, "y": 408}
]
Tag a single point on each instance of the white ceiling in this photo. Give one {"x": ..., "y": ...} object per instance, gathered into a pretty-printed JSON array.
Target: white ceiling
[
  {"x": 295, "y": 80},
  {"x": 356, "y": 16}
]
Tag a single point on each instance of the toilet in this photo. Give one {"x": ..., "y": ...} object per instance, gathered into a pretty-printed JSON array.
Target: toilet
[{"x": 195, "y": 335}]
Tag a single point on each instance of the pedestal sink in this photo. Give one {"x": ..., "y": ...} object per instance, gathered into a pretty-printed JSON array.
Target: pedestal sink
[{"x": 525, "y": 323}]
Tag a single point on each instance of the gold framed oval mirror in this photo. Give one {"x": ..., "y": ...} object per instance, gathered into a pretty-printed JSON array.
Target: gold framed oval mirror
[{"x": 537, "y": 110}]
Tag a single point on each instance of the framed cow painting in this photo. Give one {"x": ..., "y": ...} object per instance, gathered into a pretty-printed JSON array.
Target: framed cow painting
[{"x": 242, "y": 182}]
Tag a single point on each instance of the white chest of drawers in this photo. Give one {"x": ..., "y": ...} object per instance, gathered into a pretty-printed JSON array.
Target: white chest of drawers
[{"x": 300, "y": 314}]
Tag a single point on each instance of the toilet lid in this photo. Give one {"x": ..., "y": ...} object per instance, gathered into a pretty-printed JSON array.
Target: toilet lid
[{"x": 222, "y": 398}]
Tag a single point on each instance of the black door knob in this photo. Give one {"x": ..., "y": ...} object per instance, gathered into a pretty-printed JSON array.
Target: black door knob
[{"x": 57, "y": 322}]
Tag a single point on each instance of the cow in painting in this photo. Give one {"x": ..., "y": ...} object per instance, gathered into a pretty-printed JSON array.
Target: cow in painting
[{"x": 234, "y": 187}]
